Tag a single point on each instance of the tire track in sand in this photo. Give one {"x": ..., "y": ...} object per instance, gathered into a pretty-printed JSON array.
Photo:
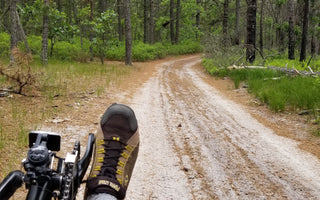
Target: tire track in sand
[{"x": 195, "y": 144}]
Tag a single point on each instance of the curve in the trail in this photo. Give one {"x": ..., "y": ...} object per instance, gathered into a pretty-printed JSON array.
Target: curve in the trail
[{"x": 196, "y": 144}]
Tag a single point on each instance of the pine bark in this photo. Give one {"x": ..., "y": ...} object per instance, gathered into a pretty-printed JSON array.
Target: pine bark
[
  {"x": 261, "y": 27},
  {"x": 91, "y": 31},
  {"x": 128, "y": 34},
  {"x": 304, "y": 31},
  {"x": 120, "y": 17},
  {"x": 13, "y": 28},
  {"x": 291, "y": 37},
  {"x": 172, "y": 22},
  {"x": 178, "y": 22},
  {"x": 236, "y": 40},
  {"x": 145, "y": 22},
  {"x": 225, "y": 21},
  {"x": 45, "y": 33},
  {"x": 198, "y": 19},
  {"x": 151, "y": 28},
  {"x": 251, "y": 30}
]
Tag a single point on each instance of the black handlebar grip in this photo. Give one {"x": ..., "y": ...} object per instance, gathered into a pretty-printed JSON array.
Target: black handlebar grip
[
  {"x": 85, "y": 160},
  {"x": 10, "y": 184}
]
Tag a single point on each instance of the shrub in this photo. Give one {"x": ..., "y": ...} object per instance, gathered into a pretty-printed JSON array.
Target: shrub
[
  {"x": 66, "y": 51},
  {"x": 144, "y": 52},
  {"x": 4, "y": 45},
  {"x": 35, "y": 43}
]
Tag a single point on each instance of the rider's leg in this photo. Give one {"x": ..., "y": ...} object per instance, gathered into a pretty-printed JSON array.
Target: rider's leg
[
  {"x": 117, "y": 144},
  {"x": 101, "y": 197}
]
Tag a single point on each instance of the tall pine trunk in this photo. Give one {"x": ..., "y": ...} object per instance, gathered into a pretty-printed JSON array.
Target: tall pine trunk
[
  {"x": 251, "y": 30},
  {"x": 225, "y": 22},
  {"x": 198, "y": 19},
  {"x": 172, "y": 22},
  {"x": 176, "y": 40},
  {"x": 45, "y": 33},
  {"x": 151, "y": 27},
  {"x": 145, "y": 22},
  {"x": 91, "y": 29},
  {"x": 261, "y": 27},
  {"x": 291, "y": 37},
  {"x": 128, "y": 34},
  {"x": 236, "y": 40},
  {"x": 313, "y": 26},
  {"x": 304, "y": 31},
  {"x": 13, "y": 28},
  {"x": 120, "y": 17}
]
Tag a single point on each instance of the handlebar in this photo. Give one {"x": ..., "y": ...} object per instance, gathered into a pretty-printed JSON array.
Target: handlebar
[{"x": 42, "y": 181}]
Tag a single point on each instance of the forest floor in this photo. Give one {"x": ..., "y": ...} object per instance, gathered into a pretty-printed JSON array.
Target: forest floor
[{"x": 201, "y": 138}]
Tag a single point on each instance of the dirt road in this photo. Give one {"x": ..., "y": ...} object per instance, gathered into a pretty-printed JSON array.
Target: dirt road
[{"x": 197, "y": 144}]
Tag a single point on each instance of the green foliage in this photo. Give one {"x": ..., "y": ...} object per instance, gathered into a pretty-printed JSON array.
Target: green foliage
[
  {"x": 116, "y": 52},
  {"x": 103, "y": 26},
  {"x": 31, "y": 16},
  {"x": 144, "y": 52},
  {"x": 59, "y": 28},
  {"x": 34, "y": 43},
  {"x": 296, "y": 93},
  {"x": 283, "y": 61},
  {"x": 67, "y": 51},
  {"x": 241, "y": 75},
  {"x": 185, "y": 47},
  {"x": 4, "y": 45},
  {"x": 277, "y": 90}
]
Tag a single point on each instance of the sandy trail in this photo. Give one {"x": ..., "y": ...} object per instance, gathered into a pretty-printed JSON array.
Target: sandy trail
[{"x": 197, "y": 144}]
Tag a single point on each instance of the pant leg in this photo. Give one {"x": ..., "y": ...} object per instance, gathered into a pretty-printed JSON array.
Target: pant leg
[{"x": 101, "y": 196}]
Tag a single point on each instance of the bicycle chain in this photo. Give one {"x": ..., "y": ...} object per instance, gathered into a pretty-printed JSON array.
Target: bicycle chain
[{"x": 67, "y": 189}]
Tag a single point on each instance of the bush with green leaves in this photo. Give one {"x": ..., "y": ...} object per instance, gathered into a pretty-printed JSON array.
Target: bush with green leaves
[
  {"x": 185, "y": 47},
  {"x": 4, "y": 45},
  {"x": 144, "y": 52}
]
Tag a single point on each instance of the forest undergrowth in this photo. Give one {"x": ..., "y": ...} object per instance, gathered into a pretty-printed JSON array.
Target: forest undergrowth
[
  {"x": 54, "y": 90},
  {"x": 297, "y": 91}
]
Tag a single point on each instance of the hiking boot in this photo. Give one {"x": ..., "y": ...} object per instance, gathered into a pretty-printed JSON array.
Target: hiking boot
[{"x": 116, "y": 150}]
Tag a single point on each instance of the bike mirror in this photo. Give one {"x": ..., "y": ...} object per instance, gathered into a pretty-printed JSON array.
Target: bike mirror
[{"x": 52, "y": 139}]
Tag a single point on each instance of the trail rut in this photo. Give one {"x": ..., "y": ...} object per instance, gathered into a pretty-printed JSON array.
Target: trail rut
[
  {"x": 195, "y": 144},
  {"x": 198, "y": 144}
]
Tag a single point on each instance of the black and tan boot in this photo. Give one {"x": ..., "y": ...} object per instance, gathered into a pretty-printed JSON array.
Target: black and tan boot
[{"x": 117, "y": 145}]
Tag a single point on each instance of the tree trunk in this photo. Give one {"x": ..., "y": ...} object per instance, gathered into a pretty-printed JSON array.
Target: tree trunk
[
  {"x": 236, "y": 40},
  {"x": 178, "y": 22},
  {"x": 45, "y": 33},
  {"x": 313, "y": 25},
  {"x": 291, "y": 37},
  {"x": 225, "y": 22},
  {"x": 172, "y": 21},
  {"x": 91, "y": 31},
  {"x": 68, "y": 11},
  {"x": 304, "y": 31},
  {"x": 261, "y": 27},
  {"x": 59, "y": 6},
  {"x": 4, "y": 11},
  {"x": 151, "y": 27},
  {"x": 103, "y": 5},
  {"x": 13, "y": 29},
  {"x": 157, "y": 10},
  {"x": 145, "y": 22},
  {"x": 127, "y": 21},
  {"x": 198, "y": 19},
  {"x": 251, "y": 30},
  {"x": 120, "y": 17}
]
